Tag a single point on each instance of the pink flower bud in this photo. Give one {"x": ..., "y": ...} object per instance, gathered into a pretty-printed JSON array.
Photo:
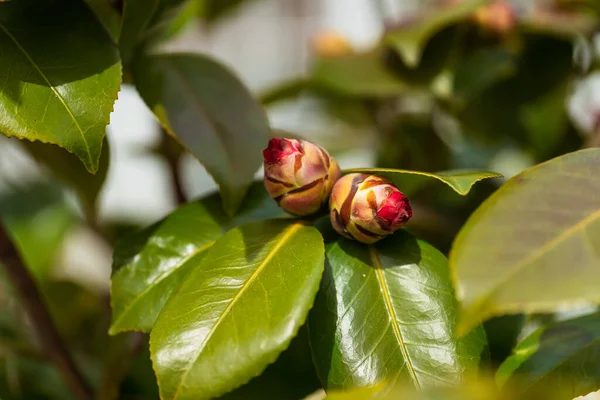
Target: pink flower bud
[
  {"x": 367, "y": 208},
  {"x": 299, "y": 175}
]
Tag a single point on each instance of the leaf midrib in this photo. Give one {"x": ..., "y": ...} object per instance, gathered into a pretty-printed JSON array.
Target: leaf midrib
[
  {"x": 392, "y": 313},
  {"x": 51, "y": 86},
  {"x": 580, "y": 226},
  {"x": 284, "y": 238}
]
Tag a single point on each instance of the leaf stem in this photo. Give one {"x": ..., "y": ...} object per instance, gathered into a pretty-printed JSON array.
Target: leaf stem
[{"x": 45, "y": 330}]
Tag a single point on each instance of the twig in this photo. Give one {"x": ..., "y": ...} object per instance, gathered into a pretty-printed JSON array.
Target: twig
[
  {"x": 172, "y": 152},
  {"x": 35, "y": 308}
]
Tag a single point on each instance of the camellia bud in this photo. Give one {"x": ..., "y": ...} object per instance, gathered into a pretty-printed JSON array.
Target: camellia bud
[
  {"x": 367, "y": 208},
  {"x": 299, "y": 175}
]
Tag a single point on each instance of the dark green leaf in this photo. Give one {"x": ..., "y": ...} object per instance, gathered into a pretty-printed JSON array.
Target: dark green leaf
[
  {"x": 107, "y": 15},
  {"x": 68, "y": 169},
  {"x": 534, "y": 245},
  {"x": 387, "y": 313},
  {"x": 61, "y": 75},
  {"x": 37, "y": 218},
  {"x": 210, "y": 111},
  {"x": 136, "y": 16},
  {"x": 480, "y": 70},
  {"x": 460, "y": 180},
  {"x": 563, "y": 355},
  {"x": 237, "y": 310},
  {"x": 150, "y": 265},
  {"x": 358, "y": 74},
  {"x": 411, "y": 36}
]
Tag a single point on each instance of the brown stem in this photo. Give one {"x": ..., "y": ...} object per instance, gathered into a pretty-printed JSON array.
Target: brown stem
[
  {"x": 172, "y": 151},
  {"x": 34, "y": 306}
]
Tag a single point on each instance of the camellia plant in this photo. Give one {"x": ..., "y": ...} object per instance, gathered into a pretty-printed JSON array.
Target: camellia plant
[{"x": 429, "y": 276}]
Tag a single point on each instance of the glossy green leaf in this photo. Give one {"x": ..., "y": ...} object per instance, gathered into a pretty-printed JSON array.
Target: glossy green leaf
[
  {"x": 358, "y": 74},
  {"x": 563, "y": 355},
  {"x": 534, "y": 245},
  {"x": 61, "y": 75},
  {"x": 460, "y": 180},
  {"x": 37, "y": 217},
  {"x": 213, "y": 115},
  {"x": 237, "y": 310},
  {"x": 291, "y": 377},
  {"x": 67, "y": 168},
  {"x": 151, "y": 264},
  {"x": 411, "y": 37},
  {"x": 387, "y": 313}
]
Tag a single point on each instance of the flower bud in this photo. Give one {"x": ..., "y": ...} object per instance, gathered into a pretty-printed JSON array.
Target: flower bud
[
  {"x": 299, "y": 175},
  {"x": 367, "y": 208}
]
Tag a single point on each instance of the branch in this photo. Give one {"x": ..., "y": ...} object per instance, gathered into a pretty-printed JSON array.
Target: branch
[{"x": 34, "y": 306}]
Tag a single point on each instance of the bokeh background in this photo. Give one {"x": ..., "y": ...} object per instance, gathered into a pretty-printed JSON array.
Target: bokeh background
[{"x": 502, "y": 89}]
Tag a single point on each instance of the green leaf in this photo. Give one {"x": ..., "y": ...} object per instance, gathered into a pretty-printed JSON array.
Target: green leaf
[
  {"x": 534, "y": 245},
  {"x": 61, "y": 75},
  {"x": 460, "y": 180},
  {"x": 481, "y": 70},
  {"x": 213, "y": 115},
  {"x": 150, "y": 265},
  {"x": 291, "y": 377},
  {"x": 37, "y": 218},
  {"x": 136, "y": 16},
  {"x": 107, "y": 15},
  {"x": 237, "y": 310},
  {"x": 411, "y": 37},
  {"x": 387, "y": 313},
  {"x": 67, "y": 168},
  {"x": 563, "y": 355},
  {"x": 358, "y": 74}
]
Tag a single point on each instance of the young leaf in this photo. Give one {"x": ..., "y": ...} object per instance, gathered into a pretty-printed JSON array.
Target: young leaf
[
  {"x": 410, "y": 38},
  {"x": 67, "y": 168},
  {"x": 212, "y": 114},
  {"x": 237, "y": 310},
  {"x": 61, "y": 75},
  {"x": 563, "y": 355},
  {"x": 358, "y": 74},
  {"x": 534, "y": 245},
  {"x": 460, "y": 180},
  {"x": 387, "y": 313},
  {"x": 150, "y": 265}
]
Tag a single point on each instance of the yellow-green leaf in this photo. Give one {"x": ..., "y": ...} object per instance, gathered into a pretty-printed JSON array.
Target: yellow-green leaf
[
  {"x": 407, "y": 181},
  {"x": 534, "y": 245},
  {"x": 237, "y": 310}
]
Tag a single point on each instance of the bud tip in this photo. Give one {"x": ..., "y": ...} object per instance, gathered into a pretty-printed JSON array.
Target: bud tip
[{"x": 279, "y": 149}]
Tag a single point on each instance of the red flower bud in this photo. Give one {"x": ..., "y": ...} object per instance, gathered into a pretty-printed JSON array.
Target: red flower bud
[
  {"x": 299, "y": 175},
  {"x": 367, "y": 208}
]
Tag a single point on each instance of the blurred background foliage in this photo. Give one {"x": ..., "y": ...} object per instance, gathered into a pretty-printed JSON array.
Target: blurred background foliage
[{"x": 423, "y": 85}]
